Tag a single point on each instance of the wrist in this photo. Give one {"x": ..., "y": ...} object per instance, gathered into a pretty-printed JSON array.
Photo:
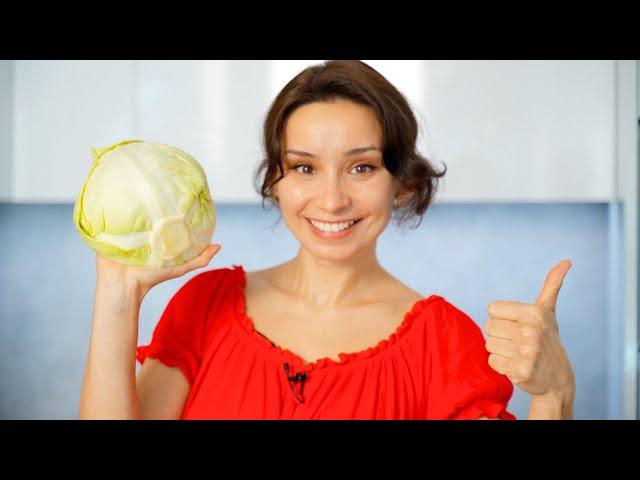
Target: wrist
[
  {"x": 554, "y": 405},
  {"x": 555, "y": 396},
  {"x": 119, "y": 294},
  {"x": 564, "y": 388}
]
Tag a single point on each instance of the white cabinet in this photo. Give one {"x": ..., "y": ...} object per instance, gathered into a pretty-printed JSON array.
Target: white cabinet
[
  {"x": 507, "y": 130},
  {"x": 6, "y": 130},
  {"x": 523, "y": 130},
  {"x": 211, "y": 109},
  {"x": 61, "y": 109}
]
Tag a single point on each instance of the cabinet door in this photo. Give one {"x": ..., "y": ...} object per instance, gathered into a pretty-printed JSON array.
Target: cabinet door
[
  {"x": 522, "y": 130},
  {"x": 6, "y": 129},
  {"x": 62, "y": 109},
  {"x": 213, "y": 110}
]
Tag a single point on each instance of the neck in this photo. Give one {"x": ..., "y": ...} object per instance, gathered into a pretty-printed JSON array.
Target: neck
[{"x": 325, "y": 284}]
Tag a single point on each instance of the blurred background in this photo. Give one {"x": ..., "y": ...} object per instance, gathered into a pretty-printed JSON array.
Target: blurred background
[{"x": 542, "y": 160}]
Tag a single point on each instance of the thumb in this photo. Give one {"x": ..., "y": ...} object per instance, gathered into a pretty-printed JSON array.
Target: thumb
[
  {"x": 212, "y": 250},
  {"x": 549, "y": 294}
]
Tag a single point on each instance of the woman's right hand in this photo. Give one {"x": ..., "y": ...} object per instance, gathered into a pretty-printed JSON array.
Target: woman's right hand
[{"x": 143, "y": 278}]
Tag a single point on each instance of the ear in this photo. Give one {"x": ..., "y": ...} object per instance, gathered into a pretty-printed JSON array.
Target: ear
[{"x": 402, "y": 196}]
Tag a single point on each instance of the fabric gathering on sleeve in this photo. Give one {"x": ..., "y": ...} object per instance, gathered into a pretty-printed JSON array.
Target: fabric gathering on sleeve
[
  {"x": 179, "y": 336},
  {"x": 462, "y": 384}
]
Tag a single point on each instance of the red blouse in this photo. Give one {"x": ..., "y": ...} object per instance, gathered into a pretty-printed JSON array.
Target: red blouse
[{"x": 434, "y": 366}]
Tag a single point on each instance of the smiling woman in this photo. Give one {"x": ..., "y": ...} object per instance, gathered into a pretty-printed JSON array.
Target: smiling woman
[{"x": 329, "y": 334}]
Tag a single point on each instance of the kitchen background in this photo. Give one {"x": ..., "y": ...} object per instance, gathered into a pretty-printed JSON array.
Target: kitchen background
[{"x": 542, "y": 160}]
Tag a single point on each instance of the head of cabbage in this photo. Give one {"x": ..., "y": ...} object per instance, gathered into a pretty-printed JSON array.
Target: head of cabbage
[{"x": 145, "y": 204}]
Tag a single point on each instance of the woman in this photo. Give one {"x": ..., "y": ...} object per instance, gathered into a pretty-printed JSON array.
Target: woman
[{"x": 328, "y": 334}]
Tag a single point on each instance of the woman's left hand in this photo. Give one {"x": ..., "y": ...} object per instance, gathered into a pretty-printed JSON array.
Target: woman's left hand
[{"x": 524, "y": 341}]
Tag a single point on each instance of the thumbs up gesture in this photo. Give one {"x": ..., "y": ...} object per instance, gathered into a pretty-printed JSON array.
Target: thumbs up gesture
[{"x": 524, "y": 341}]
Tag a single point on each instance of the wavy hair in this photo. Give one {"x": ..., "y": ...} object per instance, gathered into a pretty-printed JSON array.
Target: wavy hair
[{"x": 355, "y": 81}]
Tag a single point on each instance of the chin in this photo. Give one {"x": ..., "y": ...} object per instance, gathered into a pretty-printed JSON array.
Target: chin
[
  {"x": 338, "y": 258},
  {"x": 335, "y": 253}
]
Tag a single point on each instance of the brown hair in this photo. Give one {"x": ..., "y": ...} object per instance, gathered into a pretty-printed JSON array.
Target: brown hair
[{"x": 355, "y": 81}]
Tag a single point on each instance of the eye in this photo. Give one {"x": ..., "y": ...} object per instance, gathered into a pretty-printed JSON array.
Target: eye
[
  {"x": 362, "y": 170},
  {"x": 371, "y": 167},
  {"x": 301, "y": 165}
]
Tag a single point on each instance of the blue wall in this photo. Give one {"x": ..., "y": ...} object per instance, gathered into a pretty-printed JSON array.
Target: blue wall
[{"x": 471, "y": 254}]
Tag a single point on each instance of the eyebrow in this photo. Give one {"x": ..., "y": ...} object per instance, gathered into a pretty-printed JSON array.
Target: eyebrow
[{"x": 353, "y": 151}]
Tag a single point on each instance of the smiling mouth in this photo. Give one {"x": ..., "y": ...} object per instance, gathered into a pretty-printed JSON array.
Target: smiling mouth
[{"x": 331, "y": 226}]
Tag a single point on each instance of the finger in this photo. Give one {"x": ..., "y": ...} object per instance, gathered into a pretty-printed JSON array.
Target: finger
[
  {"x": 499, "y": 327},
  {"x": 549, "y": 294},
  {"x": 200, "y": 261},
  {"x": 501, "y": 346},
  {"x": 516, "y": 311},
  {"x": 207, "y": 254},
  {"x": 501, "y": 364}
]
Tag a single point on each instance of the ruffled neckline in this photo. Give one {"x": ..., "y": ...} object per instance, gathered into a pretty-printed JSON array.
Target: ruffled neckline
[{"x": 247, "y": 324}]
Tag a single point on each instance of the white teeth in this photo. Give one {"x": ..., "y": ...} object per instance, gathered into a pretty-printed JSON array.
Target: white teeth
[{"x": 332, "y": 227}]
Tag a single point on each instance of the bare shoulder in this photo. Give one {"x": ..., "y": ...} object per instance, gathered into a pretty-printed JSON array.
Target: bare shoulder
[
  {"x": 267, "y": 281},
  {"x": 258, "y": 280},
  {"x": 261, "y": 291},
  {"x": 403, "y": 292}
]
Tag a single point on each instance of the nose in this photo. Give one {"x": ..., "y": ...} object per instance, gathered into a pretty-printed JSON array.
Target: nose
[{"x": 333, "y": 196}]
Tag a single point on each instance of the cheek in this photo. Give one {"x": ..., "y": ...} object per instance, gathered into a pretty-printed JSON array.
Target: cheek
[
  {"x": 292, "y": 194},
  {"x": 380, "y": 190},
  {"x": 296, "y": 200},
  {"x": 377, "y": 197}
]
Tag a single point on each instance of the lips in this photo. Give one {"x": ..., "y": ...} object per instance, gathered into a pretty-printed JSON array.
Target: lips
[
  {"x": 333, "y": 235},
  {"x": 351, "y": 222}
]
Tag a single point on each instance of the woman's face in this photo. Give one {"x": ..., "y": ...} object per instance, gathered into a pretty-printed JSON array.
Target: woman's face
[{"x": 333, "y": 172}]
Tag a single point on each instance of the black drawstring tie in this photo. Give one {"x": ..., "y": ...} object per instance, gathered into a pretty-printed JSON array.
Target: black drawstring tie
[{"x": 302, "y": 376}]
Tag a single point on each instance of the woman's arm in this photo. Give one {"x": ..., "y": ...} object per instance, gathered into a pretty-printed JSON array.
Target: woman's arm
[
  {"x": 558, "y": 407},
  {"x": 109, "y": 384},
  {"x": 524, "y": 344}
]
